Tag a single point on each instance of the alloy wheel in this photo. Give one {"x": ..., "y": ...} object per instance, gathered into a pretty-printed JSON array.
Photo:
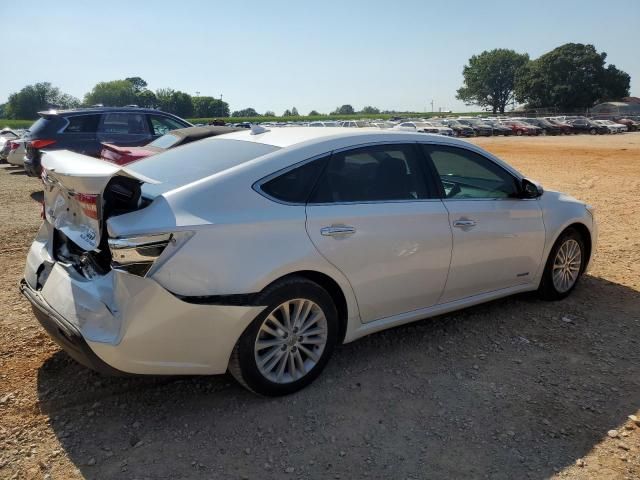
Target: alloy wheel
[
  {"x": 291, "y": 340},
  {"x": 566, "y": 265}
]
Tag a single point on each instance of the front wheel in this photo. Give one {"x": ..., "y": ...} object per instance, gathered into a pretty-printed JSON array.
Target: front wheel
[
  {"x": 564, "y": 266},
  {"x": 286, "y": 347}
]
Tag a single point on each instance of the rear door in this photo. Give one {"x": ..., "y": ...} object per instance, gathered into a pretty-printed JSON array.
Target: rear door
[
  {"x": 124, "y": 129},
  {"x": 374, "y": 218},
  {"x": 497, "y": 238}
]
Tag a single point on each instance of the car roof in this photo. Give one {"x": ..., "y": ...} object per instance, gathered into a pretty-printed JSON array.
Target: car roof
[
  {"x": 72, "y": 111},
  {"x": 293, "y": 136}
]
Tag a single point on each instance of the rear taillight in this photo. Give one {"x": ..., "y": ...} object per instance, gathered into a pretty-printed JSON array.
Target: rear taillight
[
  {"x": 89, "y": 204},
  {"x": 136, "y": 255},
  {"x": 38, "y": 144},
  {"x": 13, "y": 146}
]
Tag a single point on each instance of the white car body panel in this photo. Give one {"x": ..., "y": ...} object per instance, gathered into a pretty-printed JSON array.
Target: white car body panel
[
  {"x": 398, "y": 258},
  {"x": 503, "y": 249},
  {"x": 232, "y": 240}
]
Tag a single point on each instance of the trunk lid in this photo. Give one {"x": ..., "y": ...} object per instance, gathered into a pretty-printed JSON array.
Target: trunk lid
[{"x": 77, "y": 200}]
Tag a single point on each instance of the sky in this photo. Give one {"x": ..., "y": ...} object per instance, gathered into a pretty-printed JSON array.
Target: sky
[{"x": 278, "y": 54}]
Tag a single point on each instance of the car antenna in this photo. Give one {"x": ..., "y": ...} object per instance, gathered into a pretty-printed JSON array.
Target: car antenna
[{"x": 257, "y": 129}]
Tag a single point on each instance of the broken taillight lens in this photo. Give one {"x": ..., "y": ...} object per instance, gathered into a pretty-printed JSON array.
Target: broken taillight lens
[
  {"x": 89, "y": 204},
  {"x": 13, "y": 146},
  {"x": 136, "y": 255}
]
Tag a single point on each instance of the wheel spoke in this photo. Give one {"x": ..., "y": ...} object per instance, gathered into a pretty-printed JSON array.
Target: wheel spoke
[
  {"x": 281, "y": 366},
  {"x": 284, "y": 308},
  {"x": 271, "y": 318},
  {"x": 262, "y": 344},
  {"x": 309, "y": 353},
  {"x": 270, "y": 365}
]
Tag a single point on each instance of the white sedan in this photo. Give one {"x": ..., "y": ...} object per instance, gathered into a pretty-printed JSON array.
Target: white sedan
[
  {"x": 613, "y": 127},
  {"x": 425, "y": 127},
  {"x": 258, "y": 251}
]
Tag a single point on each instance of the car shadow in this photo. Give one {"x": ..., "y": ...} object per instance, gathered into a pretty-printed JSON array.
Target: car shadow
[
  {"x": 516, "y": 388},
  {"x": 17, "y": 171},
  {"x": 37, "y": 196}
]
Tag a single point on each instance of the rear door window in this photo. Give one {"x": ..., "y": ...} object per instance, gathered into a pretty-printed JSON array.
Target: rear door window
[
  {"x": 82, "y": 124},
  {"x": 372, "y": 174},
  {"x": 124, "y": 124}
]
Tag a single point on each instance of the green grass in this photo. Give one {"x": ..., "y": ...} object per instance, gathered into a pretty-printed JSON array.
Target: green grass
[{"x": 4, "y": 122}]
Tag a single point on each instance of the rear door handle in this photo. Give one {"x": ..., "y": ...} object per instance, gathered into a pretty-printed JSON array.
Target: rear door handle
[
  {"x": 335, "y": 230},
  {"x": 464, "y": 223}
]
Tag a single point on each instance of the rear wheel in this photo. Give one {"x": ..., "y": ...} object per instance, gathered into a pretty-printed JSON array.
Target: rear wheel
[
  {"x": 286, "y": 347},
  {"x": 519, "y": 133},
  {"x": 593, "y": 131},
  {"x": 564, "y": 266}
]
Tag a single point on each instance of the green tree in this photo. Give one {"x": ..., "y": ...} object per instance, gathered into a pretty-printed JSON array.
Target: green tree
[
  {"x": 370, "y": 110},
  {"x": 572, "y": 76},
  {"x": 313, "y": 113},
  {"x": 115, "y": 93},
  {"x": 146, "y": 98},
  {"x": 269, "y": 113},
  {"x": 138, "y": 83},
  {"x": 174, "y": 101},
  {"x": 490, "y": 78},
  {"x": 206, "y": 107},
  {"x": 294, "y": 112},
  {"x": 246, "y": 112},
  {"x": 344, "y": 110},
  {"x": 286, "y": 113},
  {"x": 26, "y": 103}
]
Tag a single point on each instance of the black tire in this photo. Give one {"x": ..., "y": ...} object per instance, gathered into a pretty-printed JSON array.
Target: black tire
[
  {"x": 242, "y": 364},
  {"x": 519, "y": 133},
  {"x": 547, "y": 289},
  {"x": 593, "y": 131}
]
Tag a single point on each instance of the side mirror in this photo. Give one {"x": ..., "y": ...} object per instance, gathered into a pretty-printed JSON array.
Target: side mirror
[{"x": 530, "y": 189}]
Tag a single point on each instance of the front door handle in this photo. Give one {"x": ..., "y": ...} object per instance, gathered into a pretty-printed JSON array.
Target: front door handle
[
  {"x": 336, "y": 230},
  {"x": 462, "y": 223}
]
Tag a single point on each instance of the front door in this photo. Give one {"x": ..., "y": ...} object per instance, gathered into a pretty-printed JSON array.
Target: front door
[{"x": 498, "y": 238}]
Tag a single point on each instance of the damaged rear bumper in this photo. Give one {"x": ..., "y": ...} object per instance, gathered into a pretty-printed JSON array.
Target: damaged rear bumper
[
  {"x": 121, "y": 322},
  {"x": 64, "y": 333}
]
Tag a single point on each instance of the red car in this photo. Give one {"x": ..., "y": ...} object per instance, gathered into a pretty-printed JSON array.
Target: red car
[
  {"x": 521, "y": 128},
  {"x": 175, "y": 138}
]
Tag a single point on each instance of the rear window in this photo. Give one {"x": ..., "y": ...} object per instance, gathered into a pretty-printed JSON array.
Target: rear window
[
  {"x": 165, "y": 141},
  {"x": 191, "y": 162},
  {"x": 40, "y": 125}
]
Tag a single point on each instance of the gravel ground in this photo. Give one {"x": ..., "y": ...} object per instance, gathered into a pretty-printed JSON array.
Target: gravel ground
[{"x": 514, "y": 389}]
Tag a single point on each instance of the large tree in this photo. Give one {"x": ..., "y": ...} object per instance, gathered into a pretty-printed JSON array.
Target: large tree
[
  {"x": 245, "y": 112},
  {"x": 207, "y": 107},
  {"x": 489, "y": 78},
  {"x": 176, "y": 102},
  {"x": 344, "y": 110},
  {"x": 26, "y": 103},
  {"x": 569, "y": 77},
  {"x": 370, "y": 110},
  {"x": 115, "y": 93}
]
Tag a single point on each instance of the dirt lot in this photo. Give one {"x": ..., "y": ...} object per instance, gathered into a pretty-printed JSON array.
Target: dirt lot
[{"x": 515, "y": 389}]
